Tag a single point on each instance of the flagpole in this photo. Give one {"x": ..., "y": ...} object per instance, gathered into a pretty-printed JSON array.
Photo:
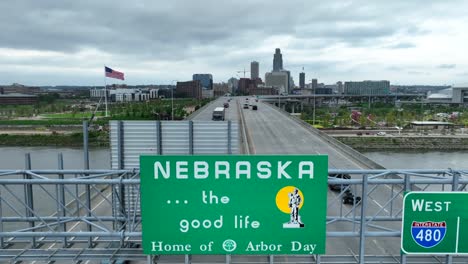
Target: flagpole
[{"x": 105, "y": 87}]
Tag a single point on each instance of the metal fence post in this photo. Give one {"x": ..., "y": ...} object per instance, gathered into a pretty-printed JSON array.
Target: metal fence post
[
  {"x": 362, "y": 231},
  {"x": 229, "y": 138},
  {"x": 2, "y": 240},
  {"x": 86, "y": 167},
  {"x": 28, "y": 196},
  {"x": 455, "y": 178},
  {"x": 407, "y": 189},
  {"x": 190, "y": 137},
  {"x": 61, "y": 198},
  {"x": 85, "y": 145},
  {"x": 188, "y": 259},
  {"x": 158, "y": 137},
  {"x": 120, "y": 145}
]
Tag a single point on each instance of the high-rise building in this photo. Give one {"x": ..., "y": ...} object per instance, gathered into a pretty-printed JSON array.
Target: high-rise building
[
  {"x": 279, "y": 79},
  {"x": 340, "y": 87},
  {"x": 254, "y": 70},
  {"x": 190, "y": 89},
  {"x": 205, "y": 79},
  {"x": 367, "y": 87},
  {"x": 277, "y": 60},
  {"x": 245, "y": 85},
  {"x": 314, "y": 84},
  {"x": 233, "y": 85},
  {"x": 302, "y": 80}
]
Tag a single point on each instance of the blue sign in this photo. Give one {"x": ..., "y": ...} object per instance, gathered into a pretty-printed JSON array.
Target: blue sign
[{"x": 428, "y": 234}]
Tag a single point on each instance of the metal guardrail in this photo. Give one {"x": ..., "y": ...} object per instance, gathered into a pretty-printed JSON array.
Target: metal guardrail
[{"x": 73, "y": 215}]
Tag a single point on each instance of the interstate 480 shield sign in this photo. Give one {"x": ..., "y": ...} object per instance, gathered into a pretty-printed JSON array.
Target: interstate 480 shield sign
[
  {"x": 234, "y": 204},
  {"x": 435, "y": 223}
]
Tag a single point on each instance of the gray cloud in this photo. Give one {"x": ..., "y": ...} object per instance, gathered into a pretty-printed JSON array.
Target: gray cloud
[
  {"x": 447, "y": 66},
  {"x": 207, "y": 35},
  {"x": 402, "y": 45}
]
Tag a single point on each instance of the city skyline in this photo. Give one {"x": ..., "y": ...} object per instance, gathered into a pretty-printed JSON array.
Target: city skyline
[{"x": 406, "y": 42}]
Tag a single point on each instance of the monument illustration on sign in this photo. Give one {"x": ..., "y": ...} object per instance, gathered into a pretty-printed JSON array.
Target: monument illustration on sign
[{"x": 290, "y": 200}]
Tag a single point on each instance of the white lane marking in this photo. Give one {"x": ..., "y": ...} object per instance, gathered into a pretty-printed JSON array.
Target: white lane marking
[{"x": 92, "y": 209}]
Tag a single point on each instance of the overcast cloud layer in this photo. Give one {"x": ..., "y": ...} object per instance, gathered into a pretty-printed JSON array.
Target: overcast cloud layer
[{"x": 51, "y": 42}]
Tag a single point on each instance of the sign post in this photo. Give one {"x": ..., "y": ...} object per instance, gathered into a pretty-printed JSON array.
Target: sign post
[
  {"x": 435, "y": 223},
  {"x": 257, "y": 205}
]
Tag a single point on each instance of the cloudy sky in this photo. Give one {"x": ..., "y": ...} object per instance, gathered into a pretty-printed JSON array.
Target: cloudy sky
[{"x": 50, "y": 42}]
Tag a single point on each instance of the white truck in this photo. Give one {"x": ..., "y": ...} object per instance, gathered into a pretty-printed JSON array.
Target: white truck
[{"x": 219, "y": 114}]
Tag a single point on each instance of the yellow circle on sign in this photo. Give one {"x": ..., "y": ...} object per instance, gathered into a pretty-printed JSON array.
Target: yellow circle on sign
[{"x": 282, "y": 199}]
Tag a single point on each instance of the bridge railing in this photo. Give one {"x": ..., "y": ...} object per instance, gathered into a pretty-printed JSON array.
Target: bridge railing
[{"x": 95, "y": 214}]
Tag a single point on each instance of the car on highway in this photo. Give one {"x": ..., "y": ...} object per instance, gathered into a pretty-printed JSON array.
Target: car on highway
[
  {"x": 350, "y": 198},
  {"x": 246, "y": 106},
  {"x": 226, "y": 105},
  {"x": 254, "y": 107},
  {"x": 381, "y": 133},
  {"x": 339, "y": 187}
]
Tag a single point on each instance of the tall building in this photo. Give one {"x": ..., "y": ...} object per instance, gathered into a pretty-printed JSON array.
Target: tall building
[
  {"x": 254, "y": 70},
  {"x": 190, "y": 89},
  {"x": 278, "y": 79},
  {"x": 277, "y": 60},
  {"x": 340, "y": 87},
  {"x": 205, "y": 79},
  {"x": 302, "y": 80},
  {"x": 367, "y": 87},
  {"x": 314, "y": 84},
  {"x": 245, "y": 85},
  {"x": 233, "y": 85}
]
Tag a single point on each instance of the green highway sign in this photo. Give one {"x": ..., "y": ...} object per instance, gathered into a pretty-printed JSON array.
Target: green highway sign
[
  {"x": 234, "y": 204},
  {"x": 435, "y": 223}
]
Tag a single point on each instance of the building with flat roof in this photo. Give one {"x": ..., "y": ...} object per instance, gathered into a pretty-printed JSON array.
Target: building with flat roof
[
  {"x": 278, "y": 79},
  {"x": 367, "y": 88},
  {"x": 302, "y": 80},
  {"x": 454, "y": 95},
  {"x": 254, "y": 70},
  {"x": 206, "y": 80},
  {"x": 190, "y": 89},
  {"x": 17, "y": 99}
]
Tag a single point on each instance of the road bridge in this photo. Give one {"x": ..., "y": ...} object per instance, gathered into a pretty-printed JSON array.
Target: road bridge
[{"x": 267, "y": 130}]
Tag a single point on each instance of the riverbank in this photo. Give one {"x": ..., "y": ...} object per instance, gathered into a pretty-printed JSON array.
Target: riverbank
[
  {"x": 96, "y": 139},
  {"x": 394, "y": 142}
]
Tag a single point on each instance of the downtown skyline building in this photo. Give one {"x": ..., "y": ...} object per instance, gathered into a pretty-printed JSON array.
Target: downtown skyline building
[
  {"x": 254, "y": 70},
  {"x": 277, "y": 60},
  {"x": 367, "y": 87},
  {"x": 302, "y": 80},
  {"x": 205, "y": 79}
]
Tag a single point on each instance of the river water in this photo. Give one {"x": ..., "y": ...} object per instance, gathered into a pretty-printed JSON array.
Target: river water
[
  {"x": 420, "y": 159},
  {"x": 46, "y": 158}
]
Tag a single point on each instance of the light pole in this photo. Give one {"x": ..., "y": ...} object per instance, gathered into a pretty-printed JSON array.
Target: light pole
[{"x": 172, "y": 99}]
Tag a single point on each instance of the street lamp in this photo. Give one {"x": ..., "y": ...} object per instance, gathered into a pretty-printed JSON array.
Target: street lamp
[{"x": 172, "y": 99}]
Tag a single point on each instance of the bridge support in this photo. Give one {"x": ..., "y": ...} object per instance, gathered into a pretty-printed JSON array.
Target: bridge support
[{"x": 362, "y": 231}]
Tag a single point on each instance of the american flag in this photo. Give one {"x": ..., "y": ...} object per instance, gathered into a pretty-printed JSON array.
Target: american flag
[{"x": 114, "y": 74}]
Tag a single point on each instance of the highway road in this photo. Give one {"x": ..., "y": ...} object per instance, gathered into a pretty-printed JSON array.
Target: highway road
[{"x": 273, "y": 132}]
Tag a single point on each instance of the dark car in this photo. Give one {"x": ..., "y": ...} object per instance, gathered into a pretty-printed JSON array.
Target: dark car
[
  {"x": 339, "y": 187},
  {"x": 254, "y": 107},
  {"x": 246, "y": 106},
  {"x": 349, "y": 198},
  {"x": 226, "y": 105}
]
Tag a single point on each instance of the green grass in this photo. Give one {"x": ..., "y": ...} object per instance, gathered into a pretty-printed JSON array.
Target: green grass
[
  {"x": 48, "y": 122},
  {"x": 96, "y": 139},
  {"x": 79, "y": 115}
]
